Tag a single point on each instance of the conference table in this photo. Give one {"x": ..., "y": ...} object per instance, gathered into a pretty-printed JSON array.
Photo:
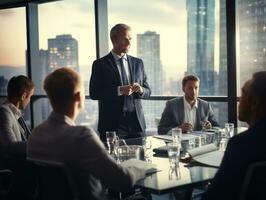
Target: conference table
[
  {"x": 167, "y": 180},
  {"x": 186, "y": 177}
]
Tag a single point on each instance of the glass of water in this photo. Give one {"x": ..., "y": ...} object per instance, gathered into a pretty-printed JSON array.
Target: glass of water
[
  {"x": 229, "y": 129},
  {"x": 177, "y": 135},
  {"x": 173, "y": 150},
  {"x": 111, "y": 140}
]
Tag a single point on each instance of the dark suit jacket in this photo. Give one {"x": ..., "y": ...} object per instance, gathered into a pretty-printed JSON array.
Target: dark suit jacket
[
  {"x": 173, "y": 115},
  {"x": 104, "y": 82},
  {"x": 242, "y": 150}
]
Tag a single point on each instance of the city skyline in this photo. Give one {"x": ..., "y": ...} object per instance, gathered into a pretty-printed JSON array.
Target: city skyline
[{"x": 170, "y": 24}]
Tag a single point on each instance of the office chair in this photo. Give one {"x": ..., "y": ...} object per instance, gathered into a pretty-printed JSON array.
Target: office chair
[
  {"x": 254, "y": 184},
  {"x": 54, "y": 181},
  {"x": 6, "y": 177}
]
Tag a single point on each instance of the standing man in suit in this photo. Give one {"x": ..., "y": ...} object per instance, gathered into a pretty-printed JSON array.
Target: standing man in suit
[
  {"x": 119, "y": 82},
  {"x": 245, "y": 148},
  {"x": 188, "y": 112},
  {"x": 60, "y": 140},
  {"x": 13, "y": 129}
]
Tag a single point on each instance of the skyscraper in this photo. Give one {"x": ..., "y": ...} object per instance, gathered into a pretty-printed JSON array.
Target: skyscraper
[
  {"x": 200, "y": 51},
  {"x": 148, "y": 49},
  {"x": 63, "y": 52},
  {"x": 252, "y": 37}
]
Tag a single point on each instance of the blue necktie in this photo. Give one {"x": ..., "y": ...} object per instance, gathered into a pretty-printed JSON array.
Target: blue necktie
[{"x": 128, "y": 100}]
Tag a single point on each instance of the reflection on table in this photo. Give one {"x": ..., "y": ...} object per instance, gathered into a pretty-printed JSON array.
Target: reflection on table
[{"x": 167, "y": 180}]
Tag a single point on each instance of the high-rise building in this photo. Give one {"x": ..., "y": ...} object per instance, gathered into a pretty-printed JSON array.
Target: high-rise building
[
  {"x": 148, "y": 49},
  {"x": 200, "y": 51},
  {"x": 252, "y": 36},
  {"x": 63, "y": 52}
]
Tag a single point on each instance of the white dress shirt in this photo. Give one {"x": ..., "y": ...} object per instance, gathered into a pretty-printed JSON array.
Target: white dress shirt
[
  {"x": 190, "y": 112},
  {"x": 125, "y": 62}
]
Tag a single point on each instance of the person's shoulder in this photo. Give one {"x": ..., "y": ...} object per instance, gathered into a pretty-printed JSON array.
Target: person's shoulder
[
  {"x": 134, "y": 59},
  {"x": 83, "y": 130},
  {"x": 202, "y": 101},
  {"x": 175, "y": 100},
  {"x": 102, "y": 59},
  {"x": 5, "y": 110}
]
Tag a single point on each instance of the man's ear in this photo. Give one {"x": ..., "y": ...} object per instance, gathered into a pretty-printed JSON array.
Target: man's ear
[
  {"x": 77, "y": 96},
  {"x": 24, "y": 96}
]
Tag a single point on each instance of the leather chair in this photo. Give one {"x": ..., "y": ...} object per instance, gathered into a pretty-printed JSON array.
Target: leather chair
[
  {"x": 6, "y": 177},
  {"x": 254, "y": 185},
  {"x": 54, "y": 181}
]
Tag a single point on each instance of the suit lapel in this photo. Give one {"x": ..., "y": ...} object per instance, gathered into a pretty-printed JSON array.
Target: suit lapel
[
  {"x": 198, "y": 115},
  {"x": 112, "y": 64},
  {"x": 131, "y": 69},
  {"x": 179, "y": 110}
]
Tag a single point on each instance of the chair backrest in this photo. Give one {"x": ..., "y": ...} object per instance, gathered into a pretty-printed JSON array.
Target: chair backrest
[
  {"x": 6, "y": 178},
  {"x": 55, "y": 181},
  {"x": 254, "y": 184}
]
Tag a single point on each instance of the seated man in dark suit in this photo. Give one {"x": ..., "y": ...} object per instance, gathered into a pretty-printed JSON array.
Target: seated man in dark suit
[
  {"x": 59, "y": 140},
  {"x": 188, "y": 112},
  {"x": 247, "y": 147}
]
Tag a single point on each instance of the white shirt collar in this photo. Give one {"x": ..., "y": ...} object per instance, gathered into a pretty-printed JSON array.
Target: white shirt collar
[
  {"x": 187, "y": 105},
  {"x": 117, "y": 57}
]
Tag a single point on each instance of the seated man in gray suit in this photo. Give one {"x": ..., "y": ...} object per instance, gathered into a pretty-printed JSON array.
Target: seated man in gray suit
[
  {"x": 188, "y": 112},
  {"x": 13, "y": 136},
  {"x": 59, "y": 140},
  {"x": 13, "y": 130}
]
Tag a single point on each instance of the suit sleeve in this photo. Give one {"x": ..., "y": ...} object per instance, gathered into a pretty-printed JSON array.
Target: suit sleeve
[
  {"x": 211, "y": 117},
  {"x": 99, "y": 88},
  {"x": 8, "y": 141},
  {"x": 7, "y": 136},
  {"x": 146, "y": 88},
  {"x": 225, "y": 181},
  {"x": 166, "y": 123},
  {"x": 94, "y": 157}
]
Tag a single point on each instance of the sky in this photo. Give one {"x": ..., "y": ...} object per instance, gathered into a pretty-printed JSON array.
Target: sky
[{"x": 166, "y": 17}]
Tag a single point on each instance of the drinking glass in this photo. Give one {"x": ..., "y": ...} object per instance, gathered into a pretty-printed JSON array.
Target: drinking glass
[
  {"x": 177, "y": 135},
  {"x": 147, "y": 146},
  {"x": 111, "y": 140},
  {"x": 229, "y": 127},
  {"x": 174, "y": 173},
  {"x": 173, "y": 150}
]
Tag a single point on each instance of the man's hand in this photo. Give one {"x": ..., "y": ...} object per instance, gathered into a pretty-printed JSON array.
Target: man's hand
[
  {"x": 126, "y": 90},
  {"x": 207, "y": 124},
  {"x": 137, "y": 88},
  {"x": 186, "y": 127}
]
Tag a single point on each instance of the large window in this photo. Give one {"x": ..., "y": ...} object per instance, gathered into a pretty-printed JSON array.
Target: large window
[
  {"x": 66, "y": 39},
  {"x": 13, "y": 42},
  {"x": 176, "y": 38},
  {"x": 13, "y": 45},
  {"x": 251, "y": 26}
]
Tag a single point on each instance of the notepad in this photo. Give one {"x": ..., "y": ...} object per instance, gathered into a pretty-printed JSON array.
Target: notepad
[{"x": 208, "y": 155}]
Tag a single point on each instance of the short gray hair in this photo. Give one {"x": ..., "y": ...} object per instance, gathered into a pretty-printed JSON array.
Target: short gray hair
[{"x": 117, "y": 28}]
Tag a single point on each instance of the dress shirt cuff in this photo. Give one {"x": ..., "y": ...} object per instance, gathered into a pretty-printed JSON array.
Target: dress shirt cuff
[{"x": 118, "y": 91}]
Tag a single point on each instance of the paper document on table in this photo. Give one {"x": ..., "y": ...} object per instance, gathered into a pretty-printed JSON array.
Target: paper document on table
[
  {"x": 169, "y": 138},
  {"x": 208, "y": 155},
  {"x": 148, "y": 167}
]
